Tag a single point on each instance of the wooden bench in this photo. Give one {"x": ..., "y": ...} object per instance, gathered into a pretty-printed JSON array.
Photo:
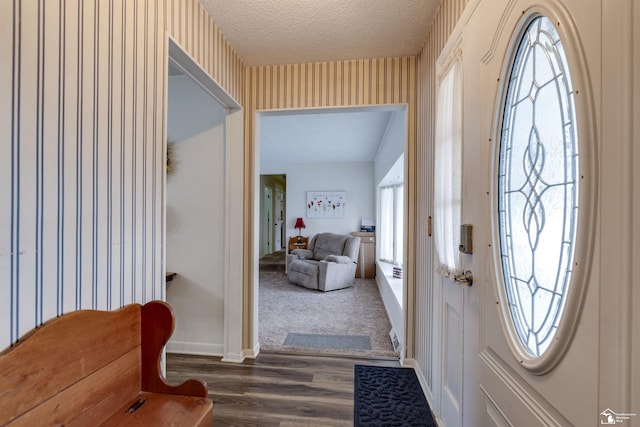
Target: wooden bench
[{"x": 90, "y": 368}]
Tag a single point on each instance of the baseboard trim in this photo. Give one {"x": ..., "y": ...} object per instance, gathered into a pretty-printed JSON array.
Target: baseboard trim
[
  {"x": 233, "y": 358},
  {"x": 199, "y": 349},
  {"x": 251, "y": 353},
  {"x": 413, "y": 363}
]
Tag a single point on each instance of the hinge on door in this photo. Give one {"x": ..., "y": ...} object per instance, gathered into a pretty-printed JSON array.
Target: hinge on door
[{"x": 429, "y": 226}]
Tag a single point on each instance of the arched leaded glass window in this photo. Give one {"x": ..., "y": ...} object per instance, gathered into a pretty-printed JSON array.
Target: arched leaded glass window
[{"x": 537, "y": 183}]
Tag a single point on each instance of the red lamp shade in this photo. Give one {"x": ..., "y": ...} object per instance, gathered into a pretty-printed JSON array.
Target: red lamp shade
[{"x": 299, "y": 223}]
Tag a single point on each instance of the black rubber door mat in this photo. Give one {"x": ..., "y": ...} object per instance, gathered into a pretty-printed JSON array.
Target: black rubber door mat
[{"x": 388, "y": 397}]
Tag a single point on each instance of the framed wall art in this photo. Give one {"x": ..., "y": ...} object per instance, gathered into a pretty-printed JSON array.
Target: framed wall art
[{"x": 326, "y": 204}]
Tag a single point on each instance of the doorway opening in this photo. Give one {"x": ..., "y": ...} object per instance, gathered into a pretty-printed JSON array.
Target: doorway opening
[
  {"x": 272, "y": 213},
  {"x": 201, "y": 139},
  {"x": 346, "y": 150},
  {"x": 272, "y": 222}
]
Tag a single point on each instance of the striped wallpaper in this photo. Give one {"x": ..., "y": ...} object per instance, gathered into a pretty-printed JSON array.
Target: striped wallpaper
[
  {"x": 81, "y": 139},
  {"x": 446, "y": 18},
  {"x": 82, "y": 87},
  {"x": 327, "y": 84}
]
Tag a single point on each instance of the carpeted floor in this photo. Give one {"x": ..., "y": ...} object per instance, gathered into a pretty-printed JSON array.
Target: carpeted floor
[
  {"x": 273, "y": 262},
  {"x": 356, "y": 311}
]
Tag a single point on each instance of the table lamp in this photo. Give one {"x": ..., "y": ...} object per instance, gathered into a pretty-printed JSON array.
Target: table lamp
[{"x": 299, "y": 225}]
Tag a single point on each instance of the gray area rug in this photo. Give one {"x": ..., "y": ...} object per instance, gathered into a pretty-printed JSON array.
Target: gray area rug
[
  {"x": 286, "y": 308},
  {"x": 337, "y": 342}
]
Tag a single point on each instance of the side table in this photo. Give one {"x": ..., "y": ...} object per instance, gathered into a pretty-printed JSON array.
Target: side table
[{"x": 298, "y": 242}]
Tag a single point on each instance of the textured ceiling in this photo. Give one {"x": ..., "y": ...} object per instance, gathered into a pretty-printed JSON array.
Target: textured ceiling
[{"x": 271, "y": 32}]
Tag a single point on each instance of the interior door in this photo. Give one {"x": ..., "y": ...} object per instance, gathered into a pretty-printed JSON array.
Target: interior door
[
  {"x": 267, "y": 221},
  {"x": 279, "y": 221}
]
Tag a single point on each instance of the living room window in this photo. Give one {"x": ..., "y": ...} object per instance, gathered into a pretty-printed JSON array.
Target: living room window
[{"x": 392, "y": 223}]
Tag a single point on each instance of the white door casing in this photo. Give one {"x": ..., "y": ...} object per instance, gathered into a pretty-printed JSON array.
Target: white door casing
[{"x": 233, "y": 202}]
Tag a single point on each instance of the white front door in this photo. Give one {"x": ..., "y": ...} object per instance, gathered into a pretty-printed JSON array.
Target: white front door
[
  {"x": 497, "y": 386},
  {"x": 451, "y": 339}
]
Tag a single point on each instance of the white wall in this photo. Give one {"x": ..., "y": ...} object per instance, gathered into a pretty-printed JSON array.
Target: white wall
[
  {"x": 392, "y": 146},
  {"x": 195, "y": 218},
  {"x": 391, "y": 149},
  {"x": 354, "y": 178}
]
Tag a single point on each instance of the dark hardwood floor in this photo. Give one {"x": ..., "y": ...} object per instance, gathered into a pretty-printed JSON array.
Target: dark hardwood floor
[{"x": 276, "y": 389}]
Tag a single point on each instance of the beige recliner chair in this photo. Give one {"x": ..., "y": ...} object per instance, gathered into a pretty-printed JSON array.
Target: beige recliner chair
[{"x": 329, "y": 263}]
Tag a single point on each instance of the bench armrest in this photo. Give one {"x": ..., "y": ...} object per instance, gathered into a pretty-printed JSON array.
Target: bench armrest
[{"x": 157, "y": 326}]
